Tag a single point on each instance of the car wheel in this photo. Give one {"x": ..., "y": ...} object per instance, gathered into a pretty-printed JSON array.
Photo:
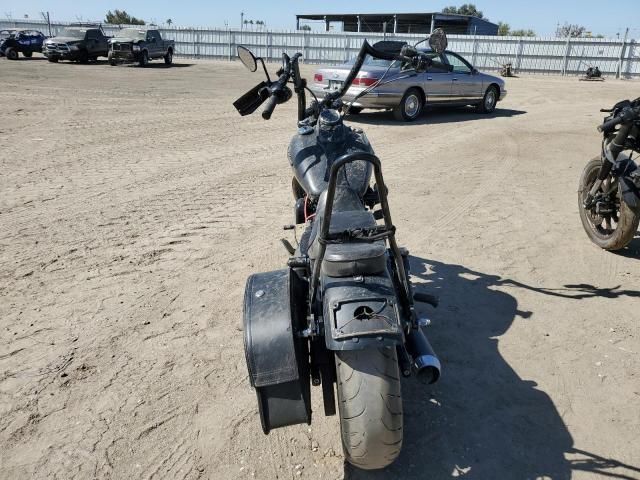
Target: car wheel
[
  {"x": 11, "y": 53},
  {"x": 410, "y": 106},
  {"x": 168, "y": 58},
  {"x": 84, "y": 57},
  {"x": 111, "y": 60},
  {"x": 27, "y": 54},
  {"x": 354, "y": 110},
  {"x": 52, "y": 59},
  {"x": 144, "y": 59},
  {"x": 489, "y": 100}
]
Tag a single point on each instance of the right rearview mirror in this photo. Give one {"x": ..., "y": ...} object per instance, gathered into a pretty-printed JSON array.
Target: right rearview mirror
[
  {"x": 438, "y": 40},
  {"x": 247, "y": 58}
]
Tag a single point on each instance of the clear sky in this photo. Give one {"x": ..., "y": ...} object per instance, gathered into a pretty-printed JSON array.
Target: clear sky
[{"x": 606, "y": 17}]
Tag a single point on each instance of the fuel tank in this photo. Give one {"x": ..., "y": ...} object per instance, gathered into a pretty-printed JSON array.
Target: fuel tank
[{"x": 313, "y": 150}]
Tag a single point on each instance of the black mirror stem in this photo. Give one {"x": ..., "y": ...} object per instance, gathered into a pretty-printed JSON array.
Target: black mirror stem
[{"x": 264, "y": 67}]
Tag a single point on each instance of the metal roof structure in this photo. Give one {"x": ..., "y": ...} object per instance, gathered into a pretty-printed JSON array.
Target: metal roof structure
[{"x": 404, "y": 22}]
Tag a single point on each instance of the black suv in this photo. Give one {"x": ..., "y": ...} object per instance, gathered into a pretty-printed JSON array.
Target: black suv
[{"x": 79, "y": 43}]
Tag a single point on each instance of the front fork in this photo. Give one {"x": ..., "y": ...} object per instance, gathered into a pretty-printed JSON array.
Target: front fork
[{"x": 603, "y": 174}]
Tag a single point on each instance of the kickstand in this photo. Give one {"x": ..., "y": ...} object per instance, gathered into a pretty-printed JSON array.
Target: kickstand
[{"x": 288, "y": 246}]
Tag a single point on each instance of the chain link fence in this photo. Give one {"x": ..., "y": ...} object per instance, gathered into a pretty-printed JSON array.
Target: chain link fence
[{"x": 557, "y": 56}]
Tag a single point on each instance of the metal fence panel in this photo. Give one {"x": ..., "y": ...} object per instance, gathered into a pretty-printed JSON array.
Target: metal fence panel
[{"x": 559, "y": 56}]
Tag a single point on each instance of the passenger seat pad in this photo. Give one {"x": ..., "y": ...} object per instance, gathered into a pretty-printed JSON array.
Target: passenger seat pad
[{"x": 352, "y": 258}]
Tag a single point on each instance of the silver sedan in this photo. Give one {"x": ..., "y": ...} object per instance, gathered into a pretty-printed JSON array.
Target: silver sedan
[{"x": 409, "y": 91}]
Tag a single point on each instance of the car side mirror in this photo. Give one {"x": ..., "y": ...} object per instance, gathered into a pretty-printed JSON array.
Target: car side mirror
[{"x": 474, "y": 71}]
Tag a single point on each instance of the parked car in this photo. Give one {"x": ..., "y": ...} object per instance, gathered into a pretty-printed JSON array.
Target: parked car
[
  {"x": 26, "y": 42},
  {"x": 140, "y": 45},
  {"x": 465, "y": 85},
  {"x": 79, "y": 43}
]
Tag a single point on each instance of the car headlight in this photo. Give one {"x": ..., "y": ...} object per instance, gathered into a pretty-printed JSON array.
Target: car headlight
[
  {"x": 73, "y": 47},
  {"x": 136, "y": 48}
]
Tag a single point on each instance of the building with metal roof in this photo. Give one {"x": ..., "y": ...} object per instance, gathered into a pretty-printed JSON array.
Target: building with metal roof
[{"x": 403, "y": 22}]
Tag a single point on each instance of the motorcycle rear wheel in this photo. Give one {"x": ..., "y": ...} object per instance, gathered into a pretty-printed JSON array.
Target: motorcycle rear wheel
[
  {"x": 370, "y": 406},
  {"x": 610, "y": 232}
]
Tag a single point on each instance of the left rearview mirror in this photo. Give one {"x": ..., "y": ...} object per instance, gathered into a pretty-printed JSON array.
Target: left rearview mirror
[
  {"x": 247, "y": 58},
  {"x": 438, "y": 40}
]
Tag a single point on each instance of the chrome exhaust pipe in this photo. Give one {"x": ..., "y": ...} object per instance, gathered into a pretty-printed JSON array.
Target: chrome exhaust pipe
[{"x": 425, "y": 360}]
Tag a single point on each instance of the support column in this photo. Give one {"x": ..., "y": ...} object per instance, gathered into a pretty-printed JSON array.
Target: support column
[
  {"x": 297, "y": 23},
  {"x": 622, "y": 48},
  {"x": 326, "y": 24},
  {"x": 565, "y": 60},
  {"x": 359, "y": 24},
  {"x": 395, "y": 24},
  {"x": 519, "y": 55},
  {"x": 433, "y": 23}
]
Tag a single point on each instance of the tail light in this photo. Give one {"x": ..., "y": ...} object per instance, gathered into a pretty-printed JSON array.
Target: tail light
[
  {"x": 317, "y": 77},
  {"x": 365, "y": 81}
]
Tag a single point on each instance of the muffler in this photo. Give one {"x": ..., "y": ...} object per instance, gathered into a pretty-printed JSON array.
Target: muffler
[{"x": 425, "y": 360}]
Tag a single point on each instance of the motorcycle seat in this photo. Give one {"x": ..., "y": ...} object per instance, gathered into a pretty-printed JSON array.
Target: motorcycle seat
[{"x": 350, "y": 258}]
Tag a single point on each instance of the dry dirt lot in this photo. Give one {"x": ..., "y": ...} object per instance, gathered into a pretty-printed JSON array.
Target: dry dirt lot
[{"x": 135, "y": 202}]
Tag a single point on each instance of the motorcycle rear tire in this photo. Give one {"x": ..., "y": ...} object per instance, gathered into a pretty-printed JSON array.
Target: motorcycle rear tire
[
  {"x": 370, "y": 406},
  {"x": 627, "y": 222}
]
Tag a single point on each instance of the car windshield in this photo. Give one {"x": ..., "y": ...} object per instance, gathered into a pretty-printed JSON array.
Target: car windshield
[
  {"x": 7, "y": 33},
  {"x": 131, "y": 33},
  {"x": 72, "y": 32}
]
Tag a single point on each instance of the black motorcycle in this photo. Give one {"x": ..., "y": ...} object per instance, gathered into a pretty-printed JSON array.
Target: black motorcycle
[
  {"x": 609, "y": 193},
  {"x": 342, "y": 312}
]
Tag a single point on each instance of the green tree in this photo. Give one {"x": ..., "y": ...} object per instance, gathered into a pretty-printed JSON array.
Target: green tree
[
  {"x": 306, "y": 28},
  {"x": 503, "y": 29},
  {"x": 120, "y": 17},
  {"x": 569, "y": 30},
  {"x": 466, "y": 9},
  {"x": 522, "y": 33},
  {"x": 169, "y": 21}
]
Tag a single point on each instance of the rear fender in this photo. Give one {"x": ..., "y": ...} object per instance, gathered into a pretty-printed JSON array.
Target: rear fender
[{"x": 360, "y": 312}]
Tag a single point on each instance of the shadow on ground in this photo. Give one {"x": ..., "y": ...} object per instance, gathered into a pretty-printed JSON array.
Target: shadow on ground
[
  {"x": 481, "y": 421},
  {"x": 632, "y": 250},
  {"x": 431, "y": 116},
  {"x": 24, "y": 59},
  {"x": 160, "y": 65}
]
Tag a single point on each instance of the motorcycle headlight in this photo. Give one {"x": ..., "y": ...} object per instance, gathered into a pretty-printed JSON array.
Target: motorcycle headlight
[{"x": 136, "y": 48}]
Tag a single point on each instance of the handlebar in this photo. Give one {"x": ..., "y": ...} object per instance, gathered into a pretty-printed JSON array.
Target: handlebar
[
  {"x": 278, "y": 92},
  {"x": 627, "y": 115},
  {"x": 269, "y": 107},
  {"x": 610, "y": 124}
]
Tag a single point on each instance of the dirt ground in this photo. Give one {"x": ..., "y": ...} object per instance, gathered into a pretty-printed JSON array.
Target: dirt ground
[{"x": 135, "y": 202}]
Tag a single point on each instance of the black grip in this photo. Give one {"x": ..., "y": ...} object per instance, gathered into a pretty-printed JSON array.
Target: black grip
[
  {"x": 610, "y": 124},
  {"x": 269, "y": 107}
]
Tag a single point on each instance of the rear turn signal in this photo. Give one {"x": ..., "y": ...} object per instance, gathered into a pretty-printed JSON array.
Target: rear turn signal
[{"x": 317, "y": 77}]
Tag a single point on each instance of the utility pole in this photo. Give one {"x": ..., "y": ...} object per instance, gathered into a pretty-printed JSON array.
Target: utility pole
[
  {"x": 45, "y": 16},
  {"x": 622, "y": 49}
]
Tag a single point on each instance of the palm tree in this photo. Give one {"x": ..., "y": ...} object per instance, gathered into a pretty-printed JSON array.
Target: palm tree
[{"x": 169, "y": 21}]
